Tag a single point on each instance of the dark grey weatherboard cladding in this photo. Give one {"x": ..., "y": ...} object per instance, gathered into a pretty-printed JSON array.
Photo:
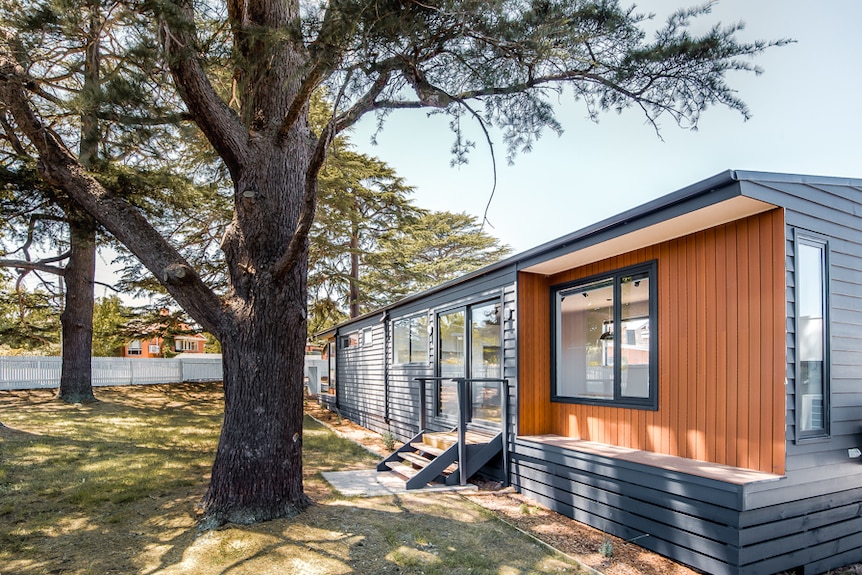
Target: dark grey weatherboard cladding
[
  {"x": 360, "y": 382},
  {"x": 701, "y": 522},
  {"x": 403, "y": 388},
  {"x": 828, "y": 209},
  {"x": 384, "y": 396},
  {"x": 809, "y": 520}
]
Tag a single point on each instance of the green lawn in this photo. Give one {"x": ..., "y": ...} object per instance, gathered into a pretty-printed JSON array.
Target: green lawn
[{"x": 112, "y": 488}]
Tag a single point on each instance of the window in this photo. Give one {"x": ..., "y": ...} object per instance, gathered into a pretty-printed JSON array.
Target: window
[
  {"x": 605, "y": 345},
  {"x": 367, "y": 336},
  {"x": 350, "y": 340},
  {"x": 410, "y": 340},
  {"x": 134, "y": 347},
  {"x": 470, "y": 345},
  {"x": 185, "y": 345},
  {"x": 812, "y": 337}
]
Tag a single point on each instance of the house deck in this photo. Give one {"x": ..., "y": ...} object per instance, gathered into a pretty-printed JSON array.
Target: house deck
[{"x": 705, "y": 469}]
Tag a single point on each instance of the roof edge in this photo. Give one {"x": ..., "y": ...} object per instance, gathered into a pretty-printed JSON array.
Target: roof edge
[{"x": 703, "y": 187}]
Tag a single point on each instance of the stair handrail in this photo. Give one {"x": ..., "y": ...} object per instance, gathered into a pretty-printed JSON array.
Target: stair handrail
[
  {"x": 423, "y": 404},
  {"x": 464, "y": 384},
  {"x": 463, "y": 388}
]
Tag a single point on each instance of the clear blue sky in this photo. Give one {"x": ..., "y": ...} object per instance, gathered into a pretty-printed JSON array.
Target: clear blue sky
[{"x": 806, "y": 118}]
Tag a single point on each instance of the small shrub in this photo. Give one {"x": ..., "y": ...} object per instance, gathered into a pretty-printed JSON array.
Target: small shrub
[
  {"x": 388, "y": 441},
  {"x": 606, "y": 549}
]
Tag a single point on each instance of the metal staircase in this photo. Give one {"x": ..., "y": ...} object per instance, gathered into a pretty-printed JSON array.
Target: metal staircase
[
  {"x": 449, "y": 458},
  {"x": 433, "y": 457}
]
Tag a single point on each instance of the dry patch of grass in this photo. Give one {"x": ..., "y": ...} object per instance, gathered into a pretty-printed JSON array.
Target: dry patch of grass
[{"x": 112, "y": 488}]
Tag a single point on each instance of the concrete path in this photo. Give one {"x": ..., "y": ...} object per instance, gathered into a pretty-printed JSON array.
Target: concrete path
[{"x": 372, "y": 483}]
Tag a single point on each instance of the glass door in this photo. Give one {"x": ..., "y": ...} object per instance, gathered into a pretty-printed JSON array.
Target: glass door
[
  {"x": 470, "y": 345},
  {"x": 452, "y": 360},
  {"x": 485, "y": 361}
]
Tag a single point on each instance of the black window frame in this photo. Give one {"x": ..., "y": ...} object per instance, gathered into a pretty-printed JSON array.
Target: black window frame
[
  {"x": 426, "y": 351},
  {"x": 811, "y": 239},
  {"x": 349, "y": 340},
  {"x": 650, "y": 268},
  {"x": 468, "y": 308}
]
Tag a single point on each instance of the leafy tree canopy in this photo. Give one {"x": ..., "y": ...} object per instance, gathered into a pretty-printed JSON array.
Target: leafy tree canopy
[
  {"x": 246, "y": 70},
  {"x": 436, "y": 248},
  {"x": 29, "y": 322}
]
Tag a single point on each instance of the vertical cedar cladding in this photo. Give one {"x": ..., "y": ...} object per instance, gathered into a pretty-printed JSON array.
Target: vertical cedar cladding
[{"x": 721, "y": 351}]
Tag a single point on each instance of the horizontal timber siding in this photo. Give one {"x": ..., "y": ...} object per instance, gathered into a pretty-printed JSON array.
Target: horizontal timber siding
[
  {"x": 707, "y": 524},
  {"x": 831, "y": 212},
  {"x": 721, "y": 348},
  {"x": 360, "y": 382}
]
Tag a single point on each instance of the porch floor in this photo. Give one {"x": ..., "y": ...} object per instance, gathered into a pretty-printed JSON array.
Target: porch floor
[{"x": 706, "y": 469}]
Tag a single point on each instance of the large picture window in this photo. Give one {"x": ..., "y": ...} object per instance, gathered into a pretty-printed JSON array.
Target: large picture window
[
  {"x": 812, "y": 337},
  {"x": 410, "y": 340},
  {"x": 605, "y": 344}
]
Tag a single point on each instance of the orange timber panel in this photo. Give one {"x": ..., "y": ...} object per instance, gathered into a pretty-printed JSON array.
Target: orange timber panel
[{"x": 721, "y": 351}]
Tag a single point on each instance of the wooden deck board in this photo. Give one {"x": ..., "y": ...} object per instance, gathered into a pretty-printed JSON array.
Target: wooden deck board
[{"x": 716, "y": 471}]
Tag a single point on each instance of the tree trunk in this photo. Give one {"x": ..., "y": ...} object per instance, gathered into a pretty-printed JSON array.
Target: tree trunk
[
  {"x": 257, "y": 473},
  {"x": 353, "y": 294},
  {"x": 76, "y": 381}
]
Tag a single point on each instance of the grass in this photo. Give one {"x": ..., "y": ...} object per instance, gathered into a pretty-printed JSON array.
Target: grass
[{"x": 112, "y": 487}]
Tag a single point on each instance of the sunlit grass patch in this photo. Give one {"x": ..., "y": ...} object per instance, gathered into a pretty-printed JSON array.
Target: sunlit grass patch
[
  {"x": 112, "y": 488},
  {"x": 334, "y": 453}
]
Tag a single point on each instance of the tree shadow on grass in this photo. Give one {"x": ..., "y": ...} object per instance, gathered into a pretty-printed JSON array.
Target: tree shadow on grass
[
  {"x": 112, "y": 488},
  {"x": 416, "y": 533}
]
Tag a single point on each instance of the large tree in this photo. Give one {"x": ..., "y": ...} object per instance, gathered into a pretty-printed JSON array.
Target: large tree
[
  {"x": 500, "y": 61},
  {"x": 87, "y": 61},
  {"x": 435, "y": 248},
  {"x": 360, "y": 200}
]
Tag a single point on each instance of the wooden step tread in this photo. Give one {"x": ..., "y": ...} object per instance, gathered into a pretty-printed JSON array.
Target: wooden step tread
[
  {"x": 445, "y": 439},
  {"x": 408, "y": 471},
  {"x": 427, "y": 448},
  {"x": 414, "y": 458},
  {"x": 405, "y": 471}
]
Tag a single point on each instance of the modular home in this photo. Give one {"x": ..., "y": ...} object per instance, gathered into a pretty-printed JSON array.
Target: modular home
[{"x": 687, "y": 374}]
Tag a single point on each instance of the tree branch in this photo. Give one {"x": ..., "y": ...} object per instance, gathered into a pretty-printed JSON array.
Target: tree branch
[
  {"x": 60, "y": 168},
  {"x": 366, "y": 102},
  {"x": 33, "y": 266},
  {"x": 309, "y": 203},
  {"x": 326, "y": 52},
  {"x": 221, "y": 125}
]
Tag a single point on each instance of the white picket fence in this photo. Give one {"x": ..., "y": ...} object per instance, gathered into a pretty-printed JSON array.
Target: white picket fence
[{"x": 44, "y": 372}]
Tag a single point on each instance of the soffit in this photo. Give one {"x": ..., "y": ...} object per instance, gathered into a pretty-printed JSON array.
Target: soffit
[{"x": 734, "y": 208}]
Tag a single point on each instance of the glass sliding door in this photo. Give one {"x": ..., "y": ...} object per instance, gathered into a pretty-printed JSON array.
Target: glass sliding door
[
  {"x": 485, "y": 361},
  {"x": 470, "y": 346},
  {"x": 452, "y": 358}
]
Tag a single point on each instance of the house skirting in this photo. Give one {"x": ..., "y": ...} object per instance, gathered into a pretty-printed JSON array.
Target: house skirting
[{"x": 682, "y": 511}]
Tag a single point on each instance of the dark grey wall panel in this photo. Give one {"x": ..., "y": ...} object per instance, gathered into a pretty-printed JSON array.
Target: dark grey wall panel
[
  {"x": 833, "y": 212},
  {"x": 780, "y": 525}
]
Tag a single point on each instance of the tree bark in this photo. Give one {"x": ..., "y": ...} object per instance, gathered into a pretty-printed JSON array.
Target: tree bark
[
  {"x": 76, "y": 380},
  {"x": 257, "y": 473},
  {"x": 76, "y": 376},
  {"x": 353, "y": 292}
]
